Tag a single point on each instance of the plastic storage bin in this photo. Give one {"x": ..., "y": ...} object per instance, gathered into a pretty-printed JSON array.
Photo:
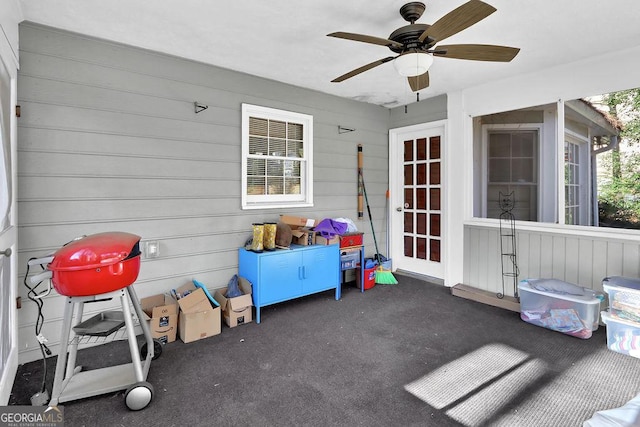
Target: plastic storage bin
[
  {"x": 623, "y": 336},
  {"x": 349, "y": 259},
  {"x": 560, "y": 306},
  {"x": 624, "y": 297}
]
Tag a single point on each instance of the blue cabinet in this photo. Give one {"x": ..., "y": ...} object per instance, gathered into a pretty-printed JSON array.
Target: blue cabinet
[{"x": 285, "y": 274}]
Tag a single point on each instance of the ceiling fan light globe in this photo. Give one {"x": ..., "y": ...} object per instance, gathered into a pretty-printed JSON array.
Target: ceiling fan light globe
[{"x": 413, "y": 64}]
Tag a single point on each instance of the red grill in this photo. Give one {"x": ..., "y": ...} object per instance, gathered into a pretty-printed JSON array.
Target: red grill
[{"x": 96, "y": 264}]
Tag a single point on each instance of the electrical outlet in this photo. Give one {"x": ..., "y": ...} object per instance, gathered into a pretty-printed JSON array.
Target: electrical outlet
[{"x": 152, "y": 249}]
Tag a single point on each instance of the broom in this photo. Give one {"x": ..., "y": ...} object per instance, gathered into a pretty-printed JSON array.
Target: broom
[{"x": 382, "y": 276}]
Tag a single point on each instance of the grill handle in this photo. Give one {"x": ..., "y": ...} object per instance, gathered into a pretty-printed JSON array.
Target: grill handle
[
  {"x": 35, "y": 280},
  {"x": 40, "y": 261}
]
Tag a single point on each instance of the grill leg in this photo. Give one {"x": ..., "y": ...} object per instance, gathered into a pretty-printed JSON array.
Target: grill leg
[
  {"x": 73, "y": 352},
  {"x": 131, "y": 334},
  {"x": 145, "y": 327},
  {"x": 62, "y": 353}
]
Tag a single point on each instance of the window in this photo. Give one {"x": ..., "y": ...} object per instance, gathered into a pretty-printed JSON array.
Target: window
[
  {"x": 512, "y": 163},
  {"x": 571, "y": 183},
  {"x": 550, "y": 180},
  {"x": 277, "y": 166}
]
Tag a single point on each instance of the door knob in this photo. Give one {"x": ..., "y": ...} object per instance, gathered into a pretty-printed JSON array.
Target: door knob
[{"x": 6, "y": 252}]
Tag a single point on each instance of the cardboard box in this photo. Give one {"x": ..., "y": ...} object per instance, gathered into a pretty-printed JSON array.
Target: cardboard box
[
  {"x": 198, "y": 317},
  {"x": 324, "y": 241},
  {"x": 296, "y": 222},
  {"x": 238, "y": 310},
  {"x": 162, "y": 315},
  {"x": 303, "y": 236}
]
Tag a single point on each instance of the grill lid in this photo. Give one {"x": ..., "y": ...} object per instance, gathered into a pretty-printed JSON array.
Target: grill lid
[{"x": 95, "y": 251}]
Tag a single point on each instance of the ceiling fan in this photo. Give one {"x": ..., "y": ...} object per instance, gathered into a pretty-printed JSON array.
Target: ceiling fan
[{"x": 415, "y": 43}]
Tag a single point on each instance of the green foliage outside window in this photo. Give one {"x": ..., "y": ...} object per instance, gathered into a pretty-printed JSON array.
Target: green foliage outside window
[{"x": 619, "y": 192}]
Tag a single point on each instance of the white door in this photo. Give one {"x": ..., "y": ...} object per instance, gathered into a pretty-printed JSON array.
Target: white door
[
  {"x": 416, "y": 199},
  {"x": 8, "y": 237}
]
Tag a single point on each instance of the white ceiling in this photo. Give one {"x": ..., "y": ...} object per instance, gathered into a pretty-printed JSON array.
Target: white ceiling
[{"x": 286, "y": 40}]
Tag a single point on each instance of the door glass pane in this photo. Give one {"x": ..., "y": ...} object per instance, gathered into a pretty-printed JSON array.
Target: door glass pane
[
  {"x": 421, "y": 196},
  {"x": 434, "y": 246},
  {"x": 408, "y": 151},
  {"x": 408, "y": 246},
  {"x": 421, "y": 248},
  {"x": 408, "y": 222},
  {"x": 421, "y": 174},
  {"x": 408, "y": 174},
  {"x": 434, "y": 173},
  {"x": 434, "y": 147},
  {"x": 421, "y": 220},
  {"x": 422, "y": 148},
  {"x": 434, "y": 199},
  {"x": 408, "y": 198},
  {"x": 434, "y": 224}
]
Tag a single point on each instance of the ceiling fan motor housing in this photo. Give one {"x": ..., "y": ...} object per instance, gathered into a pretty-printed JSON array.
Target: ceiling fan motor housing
[{"x": 408, "y": 36}]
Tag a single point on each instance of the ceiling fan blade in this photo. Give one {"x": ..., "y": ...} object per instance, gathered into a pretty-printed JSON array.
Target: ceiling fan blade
[
  {"x": 366, "y": 39},
  {"x": 362, "y": 69},
  {"x": 477, "y": 52},
  {"x": 457, "y": 20},
  {"x": 419, "y": 82}
]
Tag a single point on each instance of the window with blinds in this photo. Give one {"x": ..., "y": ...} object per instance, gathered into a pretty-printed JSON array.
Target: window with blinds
[{"x": 277, "y": 148}]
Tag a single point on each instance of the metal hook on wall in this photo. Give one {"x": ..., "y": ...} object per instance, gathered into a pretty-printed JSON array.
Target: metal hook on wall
[
  {"x": 199, "y": 107},
  {"x": 342, "y": 129}
]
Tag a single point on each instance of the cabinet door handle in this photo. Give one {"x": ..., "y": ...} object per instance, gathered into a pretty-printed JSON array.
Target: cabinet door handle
[{"x": 304, "y": 272}]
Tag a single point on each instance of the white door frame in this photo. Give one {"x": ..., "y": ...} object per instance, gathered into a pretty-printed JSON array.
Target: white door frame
[
  {"x": 396, "y": 196},
  {"x": 9, "y": 235}
]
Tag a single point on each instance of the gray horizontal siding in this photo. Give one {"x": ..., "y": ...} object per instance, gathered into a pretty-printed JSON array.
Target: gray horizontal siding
[
  {"x": 108, "y": 140},
  {"x": 428, "y": 110}
]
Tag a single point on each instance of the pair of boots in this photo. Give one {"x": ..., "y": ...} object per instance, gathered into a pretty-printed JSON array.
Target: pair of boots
[{"x": 264, "y": 237}]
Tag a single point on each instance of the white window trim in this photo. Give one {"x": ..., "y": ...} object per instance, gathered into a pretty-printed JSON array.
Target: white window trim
[
  {"x": 306, "y": 179},
  {"x": 485, "y": 158}
]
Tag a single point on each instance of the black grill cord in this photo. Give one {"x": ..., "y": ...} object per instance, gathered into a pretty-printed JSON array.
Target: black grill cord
[
  {"x": 33, "y": 296},
  {"x": 37, "y": 299}
]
